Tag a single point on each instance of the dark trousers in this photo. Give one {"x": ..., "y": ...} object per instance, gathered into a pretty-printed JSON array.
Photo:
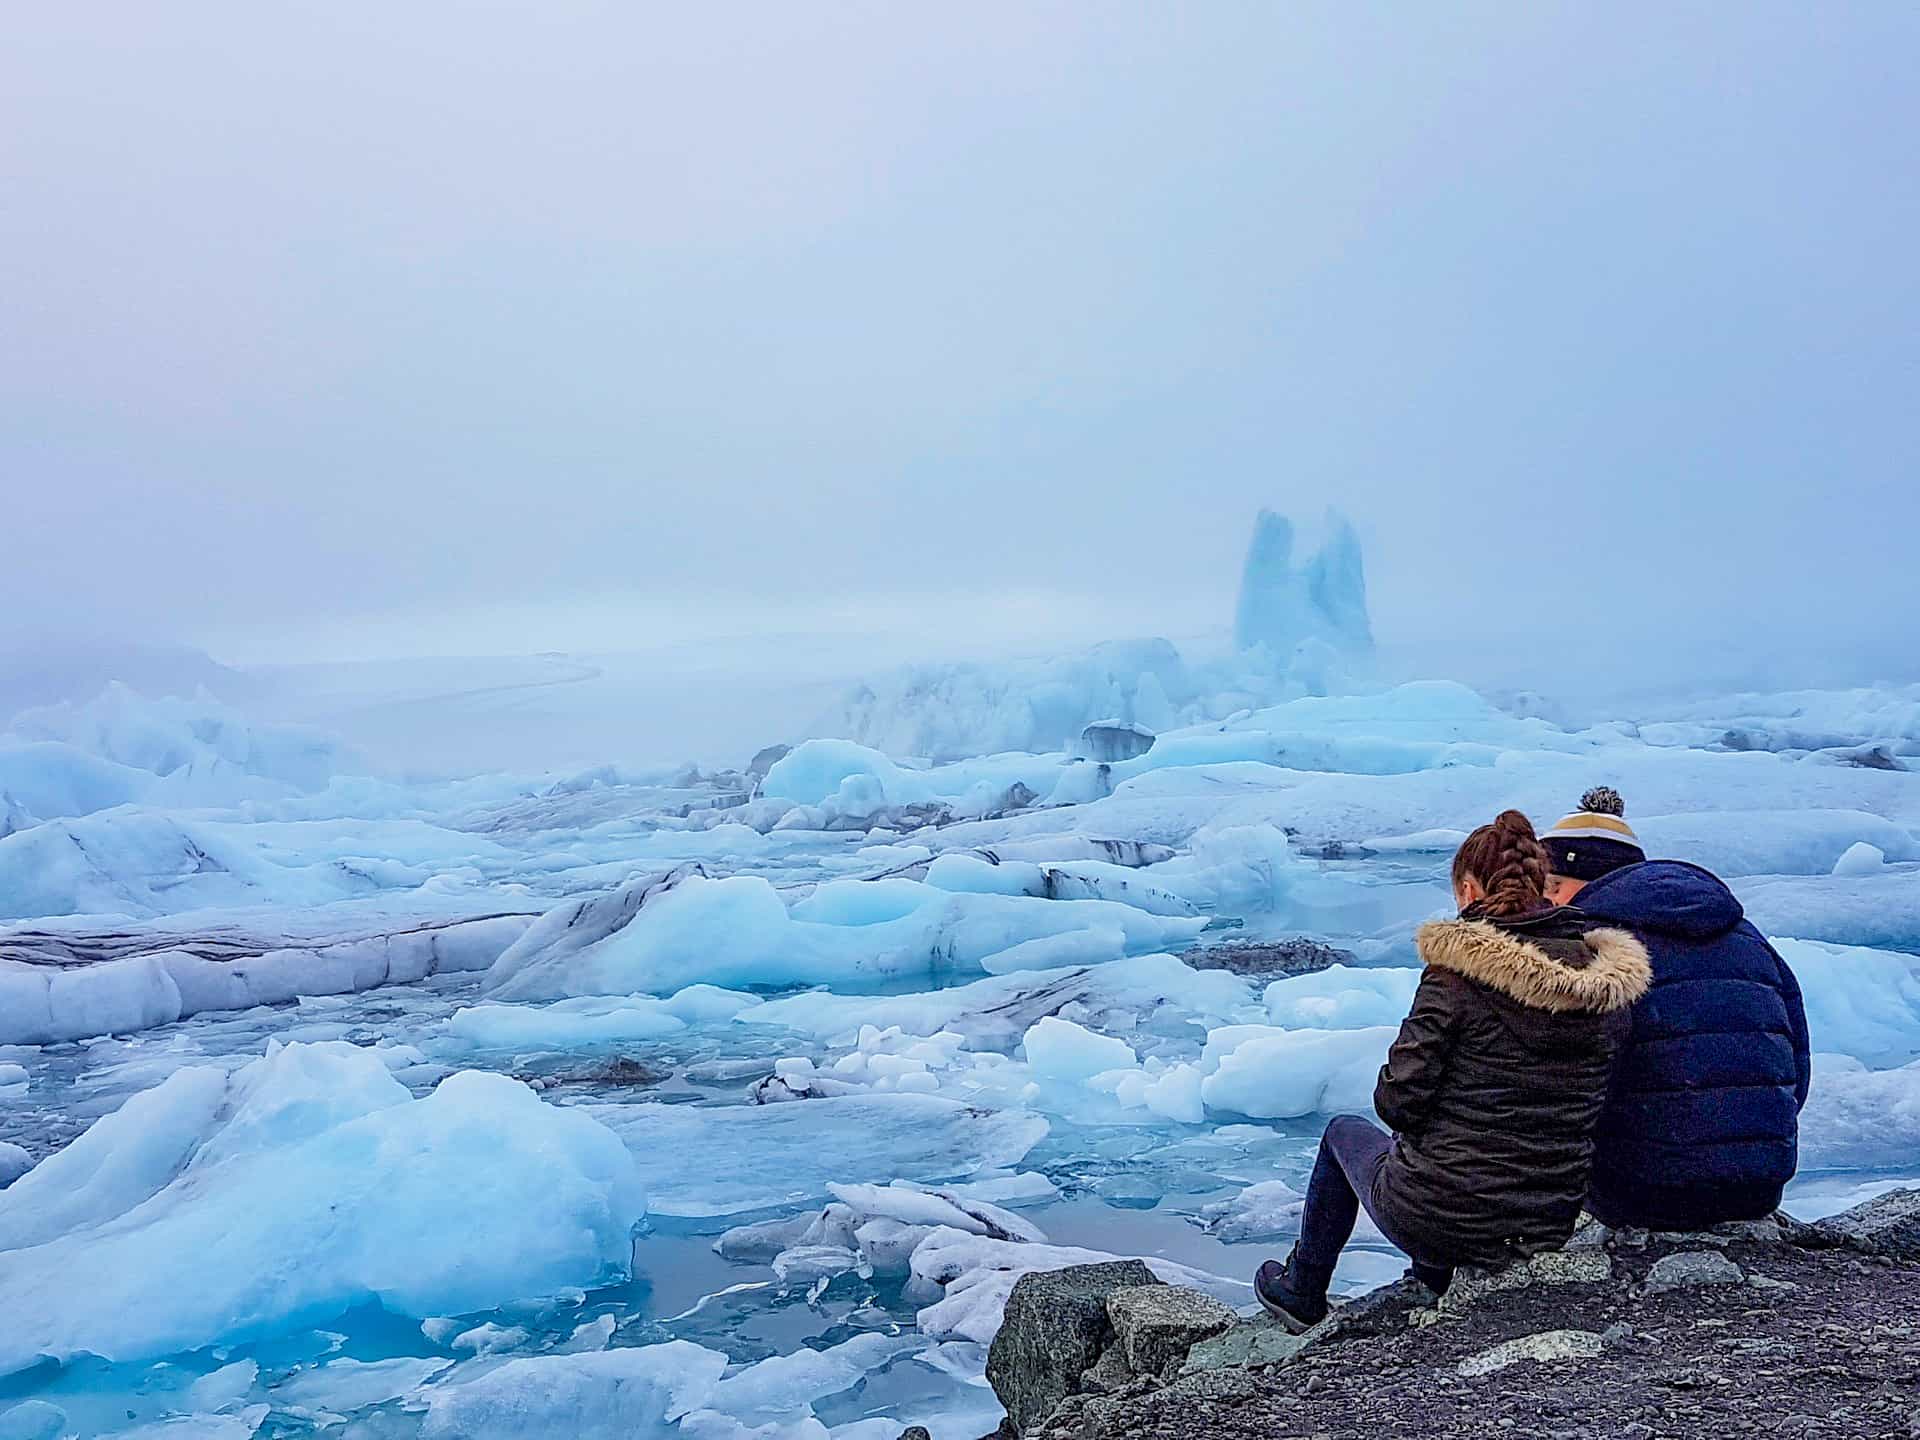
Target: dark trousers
[{"x": 1352, "y": 1152}]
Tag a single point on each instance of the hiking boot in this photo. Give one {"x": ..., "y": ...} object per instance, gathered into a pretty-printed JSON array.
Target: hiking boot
[
  {"x": 1288, "y": 1294},
  {"x": 1436, "y": 1278}
]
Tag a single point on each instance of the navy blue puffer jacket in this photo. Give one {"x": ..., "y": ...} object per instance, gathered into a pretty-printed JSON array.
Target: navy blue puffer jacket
[{"x": 1702, "y": 1123}]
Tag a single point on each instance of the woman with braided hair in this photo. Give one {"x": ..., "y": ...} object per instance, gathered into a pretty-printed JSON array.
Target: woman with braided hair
[{"x": 1493, "y": 1087}]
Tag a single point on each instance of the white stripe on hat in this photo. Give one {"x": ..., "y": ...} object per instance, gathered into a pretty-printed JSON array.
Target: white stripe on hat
[{"x": 1593, "y": 832}]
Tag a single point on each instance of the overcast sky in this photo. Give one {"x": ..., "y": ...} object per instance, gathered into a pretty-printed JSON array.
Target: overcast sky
[{"x": 333, "y": 328}]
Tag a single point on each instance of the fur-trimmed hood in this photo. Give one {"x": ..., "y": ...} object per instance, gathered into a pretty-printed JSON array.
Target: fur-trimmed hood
[{"x": 1616, "y": 974}]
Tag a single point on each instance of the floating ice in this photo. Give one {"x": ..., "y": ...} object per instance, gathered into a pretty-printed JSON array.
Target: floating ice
[
  {"x": 724, "y": 1160},
  {"x": 1061, "y": 1050},
  {"x": 1879, "y": 908},
  {"x": 1001, "y": 1009},
  {"x": 1342, "y": 997},
  {"x": 309, "y": 1181},
  {"x": 1796, "y": 720},
  {"x": 1857, "y": 1119},
  {"x": 43, "y": 1003},
  {"x": 882, "y": 1060},
  {"x": 1860, "y": 858},
  {"x": 1773, "y": 842},
  {"x": 677, "y": 1388},
  {"x": 344, "y": 1385},
  {"x": 197, "y": 1427},
  {"x": 663, "y": 935},
  {"x": 595, "y": 1020},
  {"x": 166, "y": 735},
  {"x": 44, "y": 780},
  {"x": 610, "y": 1392},
  {"x": 14, "y": 1162},
  {"x": 1860, "y": 1002},
  {"x": 871, "y": 1229},
  {"x": 34, "y": 1420},
  {"x": 1300, "y": 1072}
]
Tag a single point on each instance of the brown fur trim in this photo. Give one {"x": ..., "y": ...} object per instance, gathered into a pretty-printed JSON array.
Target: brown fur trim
[{"x": 1618, "y": 974}]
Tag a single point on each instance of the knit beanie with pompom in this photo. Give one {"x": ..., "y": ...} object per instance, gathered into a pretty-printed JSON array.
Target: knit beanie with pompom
[{"x": 1595, "y": 840}]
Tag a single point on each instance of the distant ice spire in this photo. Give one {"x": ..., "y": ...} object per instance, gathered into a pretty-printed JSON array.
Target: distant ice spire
[
  {"x": 1267, "y": 612},
  {"x": 1283, "y": 607},
  {"x": 1337, "y": 586}
]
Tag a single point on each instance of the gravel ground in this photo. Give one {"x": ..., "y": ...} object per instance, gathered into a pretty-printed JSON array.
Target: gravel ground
[{"x": 1837, "y": 1357}]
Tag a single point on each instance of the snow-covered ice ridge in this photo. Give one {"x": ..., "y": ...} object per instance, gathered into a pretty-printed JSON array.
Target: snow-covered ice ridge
[{"x": 729, "y": 1104}]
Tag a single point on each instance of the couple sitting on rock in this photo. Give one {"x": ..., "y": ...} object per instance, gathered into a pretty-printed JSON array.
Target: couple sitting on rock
[{"x": 1595, "y": 1031}]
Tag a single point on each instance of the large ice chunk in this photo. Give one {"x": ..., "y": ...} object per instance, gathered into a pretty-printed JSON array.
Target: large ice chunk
[
  {"x": 1299, "y": 1072},
  {"x": 1061, "y": 1050},
  {"x": 658, "y": 936},
  {"x": 166, "y": 735},
  {"x": 596, "y": 1020},
  {"x": 45, "y": 780},
  {"x": 1342, "y": 997},
  {"x": 306, "y": 1183},
  {"x": 1857, "y": 1119},
  {"x": 628, "y": 1392},
  {"x": 1860, "y": 1002},
  {"x": 722, "y": 1160}
]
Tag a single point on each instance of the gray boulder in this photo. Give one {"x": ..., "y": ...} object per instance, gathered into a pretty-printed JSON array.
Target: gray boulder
[
  {"x": 1155, "y": 1326},
  {"x": 1056, "y": 1328},
  {"x": 1688, "y": 1269},
  {"x": 1888, "y": 1224}
]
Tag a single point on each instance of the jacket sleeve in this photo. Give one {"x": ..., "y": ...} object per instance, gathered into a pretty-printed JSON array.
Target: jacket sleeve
[
  {"x": 1797, "y": 1020},
  {"x": 1417, "y": 1064}
]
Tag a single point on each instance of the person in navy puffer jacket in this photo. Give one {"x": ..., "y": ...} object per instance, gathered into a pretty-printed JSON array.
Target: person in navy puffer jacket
[{"x": 1702, "y": 1121}]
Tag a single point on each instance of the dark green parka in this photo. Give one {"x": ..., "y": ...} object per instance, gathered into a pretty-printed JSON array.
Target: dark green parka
[{"x": 1497, "y": 1080}]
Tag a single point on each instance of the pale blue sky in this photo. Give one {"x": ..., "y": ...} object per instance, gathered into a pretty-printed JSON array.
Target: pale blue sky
[{"x": 468, "y": 316}]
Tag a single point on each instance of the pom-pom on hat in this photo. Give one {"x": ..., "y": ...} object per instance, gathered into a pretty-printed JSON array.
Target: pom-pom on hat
[{"x": 1595, "y": 840}]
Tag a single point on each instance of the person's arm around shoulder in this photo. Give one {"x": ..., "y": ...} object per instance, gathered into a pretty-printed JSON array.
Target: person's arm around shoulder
[{"x": 1410, "y": 1081}]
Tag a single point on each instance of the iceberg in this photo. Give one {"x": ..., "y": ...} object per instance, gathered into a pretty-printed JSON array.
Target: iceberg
[
  {"x": 165, "y": 736},
  {"x": 1284, "y": 606},
  {"x": 229, "y": 1206},
  {"x": 659, "y": 935}
]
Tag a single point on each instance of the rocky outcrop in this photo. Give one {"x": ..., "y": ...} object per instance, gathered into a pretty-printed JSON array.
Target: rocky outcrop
[
  {"x": 1764, "y": 1327},
  {"x": 1887, "y": 1225},
  {"x": 1056, "y": 1329}
]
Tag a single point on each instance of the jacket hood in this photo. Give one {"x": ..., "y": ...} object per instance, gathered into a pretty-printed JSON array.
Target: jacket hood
[
  {"x": 1663, "y": 896},
  {"x": 1616, "y": 974}
]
